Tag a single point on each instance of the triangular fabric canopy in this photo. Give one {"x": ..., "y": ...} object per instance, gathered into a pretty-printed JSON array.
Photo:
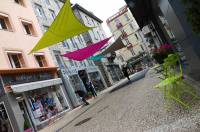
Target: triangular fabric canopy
[
  {"x": 118, "y": 44},
  {"x": 86, "y": 52},
  {"x": 65, "y": 26},
  {"x": 96, "y": 58}
]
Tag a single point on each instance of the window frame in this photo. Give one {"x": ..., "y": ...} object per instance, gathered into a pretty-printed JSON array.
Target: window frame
[
  {"x": 52, "y": 13},
  {"x": 40, "y": 11},
  {"x": 7, "y": 22},
  {"x": 43, "y": 59},
  {"x": 65, "y": 44},
  {"x": 126, "y": 17},
  {"x": 74, "y": 44},
  {"x": 20, "y": 58},
  {"x": 87, "y": 18},
  {"x": 30, "y": 26},
  {"x": 20, "y": 2}
]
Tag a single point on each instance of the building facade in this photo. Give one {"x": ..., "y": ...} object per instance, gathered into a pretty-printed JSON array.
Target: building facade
[
  {"x": 93, "y": 36},
  {"x": 123, "y": 24},
  {"x": 75, "y": 74},
  {"x": 46, "y": 11},
  {"x": 170, "y": 23},
  {"x": 31, "y": 91}
]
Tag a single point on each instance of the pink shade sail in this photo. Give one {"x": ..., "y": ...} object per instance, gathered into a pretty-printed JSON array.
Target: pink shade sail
[{"x": 86, "y": 52}]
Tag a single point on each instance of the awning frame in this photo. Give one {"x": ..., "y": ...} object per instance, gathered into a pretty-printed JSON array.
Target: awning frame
[{"x": 20, "y": 88}]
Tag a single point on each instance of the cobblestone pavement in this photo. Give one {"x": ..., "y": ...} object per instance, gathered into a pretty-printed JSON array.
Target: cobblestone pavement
[{"x": 135, "y": 107}]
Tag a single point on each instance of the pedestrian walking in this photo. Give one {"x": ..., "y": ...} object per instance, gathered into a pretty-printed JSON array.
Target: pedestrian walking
[
  {"x": 124, "y": 70},
  {"x": 92, "y": 89},
  {"x": 83, "y": 95}
]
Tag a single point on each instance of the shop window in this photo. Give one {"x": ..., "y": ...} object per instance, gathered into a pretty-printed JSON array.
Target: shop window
[
  {"x": 16, "y": 60},
  {"x": 52, "y": 13},
  {"x": 41, "y": 60},
  {"x": 4, "y": 22},
  {"x": 20, "y": 2},
  {"x": 46, "y": 103},
  {"x": 28, "y": 28},
  {"x": 40, "y": 11}
]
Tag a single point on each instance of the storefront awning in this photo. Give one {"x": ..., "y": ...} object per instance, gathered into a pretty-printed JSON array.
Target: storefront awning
[
  {"x": 35, "y": 85},
  {"x": 118, "y": 44}
]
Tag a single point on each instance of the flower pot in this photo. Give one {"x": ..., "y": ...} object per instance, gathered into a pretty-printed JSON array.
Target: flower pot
[{"x": 28, "y": 130}]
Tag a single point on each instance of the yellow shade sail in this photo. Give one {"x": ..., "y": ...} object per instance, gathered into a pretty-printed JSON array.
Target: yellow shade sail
[{"x": 65, "y": 26}]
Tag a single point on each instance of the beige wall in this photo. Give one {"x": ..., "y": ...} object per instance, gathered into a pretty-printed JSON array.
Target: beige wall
[
  {"x": 17, "y": 39},
  {"x": 125, "y": 53}
]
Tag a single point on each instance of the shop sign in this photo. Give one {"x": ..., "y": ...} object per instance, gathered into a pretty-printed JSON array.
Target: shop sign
[{"x": 26, "y": 78}]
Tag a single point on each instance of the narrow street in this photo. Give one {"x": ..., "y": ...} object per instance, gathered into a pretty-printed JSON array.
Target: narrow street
[{"x": 135, "y": 107}]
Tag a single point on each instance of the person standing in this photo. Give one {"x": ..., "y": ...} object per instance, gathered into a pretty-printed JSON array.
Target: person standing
[
  {"x": 124, "y": 70},
  {"x": 83, "y": 95},
  {"x": 92, "y": 89}
]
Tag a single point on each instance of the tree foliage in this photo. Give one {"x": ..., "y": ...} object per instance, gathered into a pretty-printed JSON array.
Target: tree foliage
[{"x": 193, "y": 14}]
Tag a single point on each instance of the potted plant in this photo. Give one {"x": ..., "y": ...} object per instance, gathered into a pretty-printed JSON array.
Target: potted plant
[
  {"x": 159, "y": 54},
  {"x": 89, "y": 96},
  {"x": 27, "y": 127}
]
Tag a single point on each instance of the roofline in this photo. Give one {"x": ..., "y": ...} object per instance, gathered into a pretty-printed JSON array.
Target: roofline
[
  {"x": 28, "y": 70},
  {"x": 118, "y": 14},
  {"x": 77, "y": 6}
]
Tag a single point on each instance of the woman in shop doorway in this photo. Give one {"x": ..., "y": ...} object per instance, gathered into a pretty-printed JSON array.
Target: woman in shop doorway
[
  {"x": 92, "y": 89},
  {"x": 83, "y": 95},
  {"x": 124, "y": 70}
]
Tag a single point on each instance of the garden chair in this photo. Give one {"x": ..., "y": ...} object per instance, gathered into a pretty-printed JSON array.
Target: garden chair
[{"x": 173, "y": 85}]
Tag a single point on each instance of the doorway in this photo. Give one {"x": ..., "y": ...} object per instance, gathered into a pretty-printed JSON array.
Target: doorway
[
  {"x": 84, "y": 77},
  {"x": 28, "y": 123}
]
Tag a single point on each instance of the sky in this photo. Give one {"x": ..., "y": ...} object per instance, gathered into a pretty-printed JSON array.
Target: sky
[{"x": 103, "y": 9}]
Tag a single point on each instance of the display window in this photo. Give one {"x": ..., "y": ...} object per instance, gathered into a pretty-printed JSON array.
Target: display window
[
  {"x": 46, "y": 103},
  {"x": 96, "y": 80}
]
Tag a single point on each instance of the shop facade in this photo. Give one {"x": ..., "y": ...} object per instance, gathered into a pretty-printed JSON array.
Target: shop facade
[
  {"x": 115, "y": 72},
  {"x": 97, "y": 81},
  {"x": 79, "y": 78},
  {"x": 170, "y": 24},
  {"x": 32, "y": 98}
]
